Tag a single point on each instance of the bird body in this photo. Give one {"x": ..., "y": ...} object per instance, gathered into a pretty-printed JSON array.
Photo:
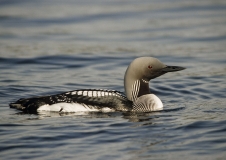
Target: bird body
[{"x": 138, "y": 97}]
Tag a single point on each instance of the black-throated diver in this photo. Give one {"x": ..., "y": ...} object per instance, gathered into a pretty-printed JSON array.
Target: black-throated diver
[{"x": 138, "y": 97}]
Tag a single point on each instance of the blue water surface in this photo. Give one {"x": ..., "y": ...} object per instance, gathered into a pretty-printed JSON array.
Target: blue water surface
[{"x": 48, "y": 47}]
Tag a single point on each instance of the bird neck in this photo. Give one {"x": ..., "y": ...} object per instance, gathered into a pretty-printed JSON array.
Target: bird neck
[
  {"x": 144, "y": 88},
  {"x": 136, "y": 89}
]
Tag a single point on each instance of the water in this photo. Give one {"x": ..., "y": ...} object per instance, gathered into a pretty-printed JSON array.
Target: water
[{"x": 48, "y": 47}]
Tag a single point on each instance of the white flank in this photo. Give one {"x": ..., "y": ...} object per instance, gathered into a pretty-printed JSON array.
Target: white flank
[
  {"x": 71, "y": 107},
  {"x": 106, "y": 109}
]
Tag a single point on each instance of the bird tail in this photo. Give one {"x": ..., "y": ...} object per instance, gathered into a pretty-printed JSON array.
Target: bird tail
[{"x": 18, "y": 104}]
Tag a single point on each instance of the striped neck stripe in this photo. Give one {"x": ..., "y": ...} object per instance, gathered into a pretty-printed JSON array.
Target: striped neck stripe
[{"x": 135, "y": 90}]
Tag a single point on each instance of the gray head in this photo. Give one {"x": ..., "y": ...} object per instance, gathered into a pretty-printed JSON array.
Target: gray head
[{"x": 140, "y": 72}]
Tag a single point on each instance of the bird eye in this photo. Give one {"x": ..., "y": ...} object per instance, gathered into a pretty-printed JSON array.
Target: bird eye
[{"x": 150, "y": 67}]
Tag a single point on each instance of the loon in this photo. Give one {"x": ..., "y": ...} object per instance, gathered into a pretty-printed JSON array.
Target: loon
[{"x": 137, "y": 97}]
